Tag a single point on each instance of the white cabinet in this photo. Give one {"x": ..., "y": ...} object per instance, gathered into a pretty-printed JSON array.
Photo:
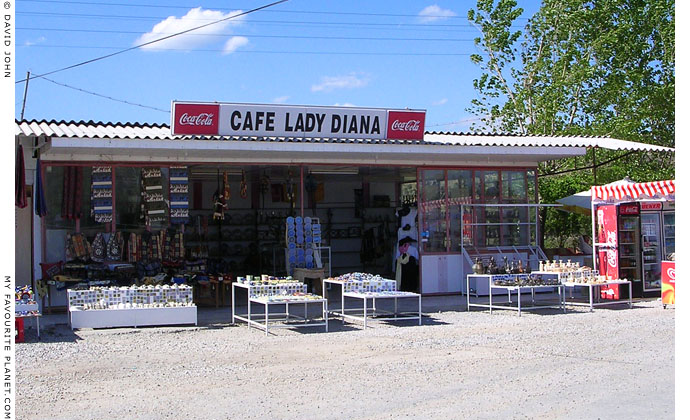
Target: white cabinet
[{"x": 442, "y": 273}]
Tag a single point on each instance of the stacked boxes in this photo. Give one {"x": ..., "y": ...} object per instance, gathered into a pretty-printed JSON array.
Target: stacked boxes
[
  {"x": 302, "y": 236},
  {"x": 131, "y": 297}
]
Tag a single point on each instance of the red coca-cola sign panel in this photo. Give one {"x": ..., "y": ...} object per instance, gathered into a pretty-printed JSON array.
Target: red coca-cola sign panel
[
  {"x": 405, "y": 125},
  {"x": 196, "y": 119},
  {"x": 626, "y": 209}
]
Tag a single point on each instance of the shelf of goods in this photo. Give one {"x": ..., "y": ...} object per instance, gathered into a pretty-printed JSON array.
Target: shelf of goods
[
  {"x": 595, "y": 284},
  {"x": 270, "y": 292},
  {"x": 518, "y": 284},
  {"x": 365, "y": 287},
  {"x": 133, "y": 306},
  {"x": 25, "y": 306}
]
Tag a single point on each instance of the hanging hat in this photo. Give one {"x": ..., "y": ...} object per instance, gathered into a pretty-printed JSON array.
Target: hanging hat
[{"x": 406, "y": 240}]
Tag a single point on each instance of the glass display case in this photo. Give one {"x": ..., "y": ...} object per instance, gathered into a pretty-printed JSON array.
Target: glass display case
[
  {"x": 669, "y": 233},
  {"x": 651, "y": 251}
]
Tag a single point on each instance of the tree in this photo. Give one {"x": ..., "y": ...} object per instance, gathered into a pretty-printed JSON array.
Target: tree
[{"x": 598, "y": 67}]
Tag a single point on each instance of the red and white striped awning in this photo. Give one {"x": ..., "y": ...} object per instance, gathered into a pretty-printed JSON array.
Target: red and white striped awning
[{"x": 633, "y": 190}]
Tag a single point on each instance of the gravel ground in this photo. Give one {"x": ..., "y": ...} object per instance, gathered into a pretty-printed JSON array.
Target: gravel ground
[{"x": 609, "y": 364}]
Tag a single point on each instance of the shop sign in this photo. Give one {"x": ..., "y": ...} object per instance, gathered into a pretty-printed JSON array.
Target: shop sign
[
  {"x": 627, "y": 209},
  {"x": 651, "y": 205},
  {"x": 227, "y": 119},
  {"x": 668, "y": 282}
]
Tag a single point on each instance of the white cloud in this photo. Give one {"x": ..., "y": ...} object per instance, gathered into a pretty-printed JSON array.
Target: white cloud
[
  {"x": 39, "y": 40},
  {"x": 349, "y": 81},
  {"x": 346, "y": 104},
  {"x": 280, "y": 99},
  {"x": 234, "y": 43},
  {"x": 189, "y": 41},
  {"x": 441, "y": 101},
  {"x": 434, "y": 13}
]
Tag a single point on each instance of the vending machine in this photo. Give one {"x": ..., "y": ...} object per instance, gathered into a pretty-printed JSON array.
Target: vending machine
[{"x": 619, "y": 255}]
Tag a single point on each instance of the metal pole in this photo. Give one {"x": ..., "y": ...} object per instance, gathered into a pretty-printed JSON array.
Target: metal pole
[{"x": 26, "y": 89}]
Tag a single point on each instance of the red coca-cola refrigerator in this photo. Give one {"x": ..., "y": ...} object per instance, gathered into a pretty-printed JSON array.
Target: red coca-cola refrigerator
[{"x": 619, "y": 253}]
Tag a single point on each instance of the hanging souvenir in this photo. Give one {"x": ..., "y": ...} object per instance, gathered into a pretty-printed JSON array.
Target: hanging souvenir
[
  {"x": 115, "y": 247},
  {"x": 71, "y": 193},
  {"x": 152, "y": 191},
  {"x": 134, "y": 248},
  {"x": 98, "y": 248},
  {"x": 102, "y": 194},
  {"x": 226, "y": 187},
  {"x": 243, "y": 186},
  {"x": 179, "y": 195}
]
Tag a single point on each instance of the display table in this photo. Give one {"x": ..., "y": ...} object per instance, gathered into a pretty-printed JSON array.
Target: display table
[
  {"x": 276, "y": 295},
  {"x": 519, "y": 290},
  {"x": 28, "y": 310},
  {"x": 584, "y": 279},
  {"x": 136, "y": 317},
  {"x": 594, "y": 288},
  {"x": 366, "y": 292},
  {"x": 133, "y": 306}
]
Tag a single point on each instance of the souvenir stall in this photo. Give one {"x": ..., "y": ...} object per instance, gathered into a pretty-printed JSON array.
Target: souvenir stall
[
  {"x": 634, "y": 228},
  {"x": 206, "y": 199}
]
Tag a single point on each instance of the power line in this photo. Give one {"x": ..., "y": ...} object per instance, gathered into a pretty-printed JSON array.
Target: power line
[
  {"x": 105, "y": 96},
  {"x": 89, "y": 3},
  {"x": 256, "y": 51},
  {"x": 155, "y": 40},
  {"x": 160, "y": 18},
  {"x": 105, "y": 31}
]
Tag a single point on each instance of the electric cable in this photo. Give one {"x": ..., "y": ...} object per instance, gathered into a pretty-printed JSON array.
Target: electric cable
[{"x": 105, "y": 96}]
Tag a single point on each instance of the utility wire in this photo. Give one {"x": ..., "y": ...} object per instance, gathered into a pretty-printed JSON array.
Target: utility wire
[
  {"x": 154, "y": 41},
  {"x": 105, "y": 96},
  {"x": 89, "y": 3},
  {"x": 106, "y": 31},
  {"x": 310, "y": 52}
]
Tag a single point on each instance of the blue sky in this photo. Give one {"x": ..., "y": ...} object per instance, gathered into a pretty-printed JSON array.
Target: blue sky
[{"x": 389, "y": 54}]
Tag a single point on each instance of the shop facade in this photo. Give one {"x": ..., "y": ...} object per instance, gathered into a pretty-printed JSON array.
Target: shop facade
[{"x": 155, "y": 200}]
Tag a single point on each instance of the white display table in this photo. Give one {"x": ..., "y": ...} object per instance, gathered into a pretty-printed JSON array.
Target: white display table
[
  {"x": 271, "y": 296},
  {"x": 28, "y": 307},
  {"x": 373, "y": 313},
  {"x": 567, "y": 278},
  {"x": 520, "y": 291},
  {"x": 135, "y": 317}
]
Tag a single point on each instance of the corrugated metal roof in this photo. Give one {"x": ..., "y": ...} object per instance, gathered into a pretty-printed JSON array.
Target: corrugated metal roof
[{"x": 91, "y": 129}]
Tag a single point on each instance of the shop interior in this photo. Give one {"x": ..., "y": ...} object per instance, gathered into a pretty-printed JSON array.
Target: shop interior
[{"x": 205, "y": 224}]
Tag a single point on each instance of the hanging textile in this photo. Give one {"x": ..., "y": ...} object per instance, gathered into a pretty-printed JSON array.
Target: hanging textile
[
  {"x": 98, "y": 248},
  {"x": 102, "y": 194},
  {"x": 20, "y": 180},
  {"x": 152, "y": 194},
  {"x": 179, "y": 195},
  {"x": 115, "y": 247},
  {"x": 71, "y": 193},
  {"x": 134, "y": 253},
  {"x": 40, "y": 207}
]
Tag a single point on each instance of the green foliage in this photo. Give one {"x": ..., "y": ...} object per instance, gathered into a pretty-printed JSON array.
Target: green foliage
[{"x": 583, "y": 67}]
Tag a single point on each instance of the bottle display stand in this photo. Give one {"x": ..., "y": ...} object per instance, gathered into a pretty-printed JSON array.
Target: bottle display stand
[
  {"x": 519, "y": 290},
  {"x": 284, "y": 295},
  {"x": 370, "y": 291}
]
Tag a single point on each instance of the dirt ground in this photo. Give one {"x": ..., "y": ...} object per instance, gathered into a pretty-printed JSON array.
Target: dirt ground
[{"x": 609, "y": 364}]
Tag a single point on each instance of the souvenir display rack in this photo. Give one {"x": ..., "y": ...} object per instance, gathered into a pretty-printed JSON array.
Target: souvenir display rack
[
  {"x": 268, "y": 291},
  {"x": 365, "y": 287},
  {"x": 519, "y": 284},
  {"x": 135, "y": 306}
]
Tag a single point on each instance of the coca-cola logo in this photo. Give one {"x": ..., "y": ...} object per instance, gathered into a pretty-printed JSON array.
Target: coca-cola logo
[
  {"x": 411, "y": 125},
  {"x": 406, "y": 125},
  {"x": 195, "y": 119},
  {"x": 611, "y": 258},
  {"x": 671, "y": 273},
  {"x": 204, "y": 119}
]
